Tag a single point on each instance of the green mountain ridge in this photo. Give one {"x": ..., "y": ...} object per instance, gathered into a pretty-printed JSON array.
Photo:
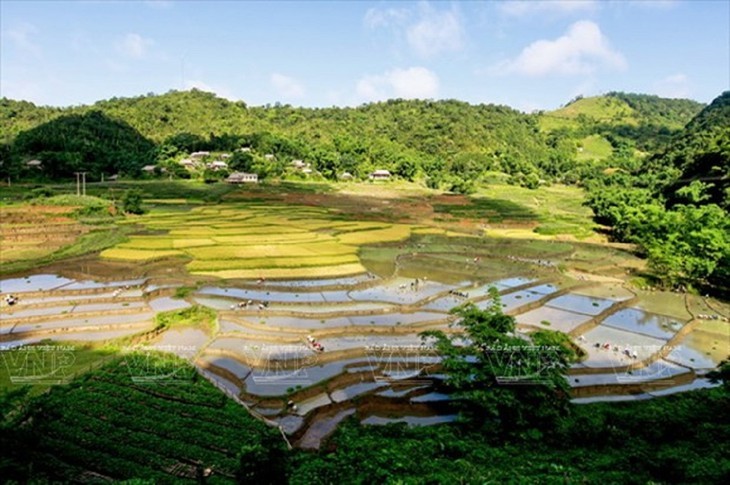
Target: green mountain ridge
[{"x": 440, "y": 142}]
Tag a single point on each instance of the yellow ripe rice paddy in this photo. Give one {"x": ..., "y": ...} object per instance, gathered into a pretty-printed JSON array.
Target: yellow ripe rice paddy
[
  {"x": 273, "y": 250},
  {"x": 396, "y": 232},
  {"x": 288, "y": 273},
  {"x": 273, "y": 262},
  {"x": 138, "y": 254}
]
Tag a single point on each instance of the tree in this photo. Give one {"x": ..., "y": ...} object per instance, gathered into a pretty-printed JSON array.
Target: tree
[
  {"x": 501, "y": 380},
  {"x": 132, "y": 202}
]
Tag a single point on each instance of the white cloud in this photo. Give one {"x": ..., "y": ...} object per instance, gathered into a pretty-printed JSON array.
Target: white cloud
[
  {"x": 523, "y": 8},
  {"x": 436, "y": 32},
  {"x": 134, "y": 46},
  {"x": 219, "y": 91},
  {"x": 376, "y": 17},
  {"x": 286, "y": 86},
  {"x": 673, "y": 86},
  {"x": 23, "y": 38},
  {"x": 411, "y": 83},
  {"x": 427, "y": 31},
  {"x": 582, "y": 50}
]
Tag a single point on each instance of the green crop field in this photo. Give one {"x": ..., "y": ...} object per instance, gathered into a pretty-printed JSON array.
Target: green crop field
[
  {"x": 233, "y": 241},
  {"x": 143, "y": 415}
]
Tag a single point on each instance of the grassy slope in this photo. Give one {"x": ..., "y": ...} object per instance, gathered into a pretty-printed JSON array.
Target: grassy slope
[{"x": 598, "y": 108}]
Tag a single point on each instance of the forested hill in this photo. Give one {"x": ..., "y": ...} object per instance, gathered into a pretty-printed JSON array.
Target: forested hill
[
  {"x": 701, "y": 155},
  {"x": 616, "y": 122},
  {"x": 450, "y": 144},
  {"x": 675, "y": 204}
]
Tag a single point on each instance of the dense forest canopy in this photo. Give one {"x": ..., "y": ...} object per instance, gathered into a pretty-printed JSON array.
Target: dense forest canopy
[{"x": 443, "y": 141}]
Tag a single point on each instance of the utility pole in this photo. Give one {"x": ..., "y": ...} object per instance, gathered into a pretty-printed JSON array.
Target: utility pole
[
  {"x": 83, "y": 177},
  {"x": 78, "y": 182}
]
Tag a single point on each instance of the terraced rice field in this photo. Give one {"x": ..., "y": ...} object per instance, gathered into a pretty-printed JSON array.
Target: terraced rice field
[
  {"x": 277, "y": 275},
  {"x": 374, "y": 364},
  {"x": 258, "y": 241}
]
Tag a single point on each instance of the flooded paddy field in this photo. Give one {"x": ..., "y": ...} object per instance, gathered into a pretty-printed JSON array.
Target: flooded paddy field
[{"x": 373, "y": 363}]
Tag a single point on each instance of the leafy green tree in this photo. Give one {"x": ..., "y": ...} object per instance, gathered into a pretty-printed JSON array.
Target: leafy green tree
[
  {"x": 502, "y": 380},
  {"x": 132, "y": 202}
]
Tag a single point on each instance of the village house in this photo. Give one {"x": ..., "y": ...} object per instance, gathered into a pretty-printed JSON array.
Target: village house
[
  {"x": 380, "y": 175},
  {"x": 199, "y": 154},
  {"x": 149, "y": 168},
  {"x": 242, "y": 178},
  {"x": 217, "y": 165},
  {"x": 269, "y": 156},
  {"x": 187, "y": 163},
  {"x": 34, "y": 164},
  {"x": 346, "y": 176}
]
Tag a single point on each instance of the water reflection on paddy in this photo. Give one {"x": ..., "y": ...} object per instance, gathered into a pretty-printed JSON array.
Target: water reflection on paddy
[
  {"x": 322, "y": 428},
  {"x": 514, "y": 281},
  {"x": 444, "y": 304},
  {"x": 166, "y": 304},
  {"x": 19, "y": 312},
  {"x": 349, "y": 392},
  {"x": 214, "y": 303},
  {"x": 307, "y": 405},
  {"x": 380, "y": 341},
  {"x": 660, "y": 369},
  {"x": 231, "y": 365},
  {"x": 276, "y": 296},
  {"x": 38, "y": 282},
  {"x": 580, "y": 304},
  {"x": 545, "y": 289},
  {"x": 411, "y": 420},
  {"x": 184, "y": 342},
  {"x": 386, "y": 319},
  {"x": 558, "y": 319},
  {"x": 699, "y": 383},
  {"x": 77, "y": 337},
  {"x": 705, "y": 347},
  {"x": 611, "y": 291},
  {"x": 313, "y": 283},
  {"x": 400, "y": 290},
  {"x": 106, "y": 320},
  {"x": 400, "y": 391},
  {"x": 663, "y": 303},
  {"x": 513, "y": 300},
  {"x": 651, "y": 324},
  {"x": 291, "y": 423},
  {"x": 431, "y": 397},
  {"x": 91, "y": 284},
  {"x": 341, "y": 307},
  {"x": 222, "y": 382},
  {"x": 276, "y": 382},
  {"x": 643, "y": 345},
  {"x": 64, "y": 298}
]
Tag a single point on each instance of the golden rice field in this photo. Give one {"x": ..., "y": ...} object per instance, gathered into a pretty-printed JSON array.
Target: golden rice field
[{"x": 230, "y": 241}]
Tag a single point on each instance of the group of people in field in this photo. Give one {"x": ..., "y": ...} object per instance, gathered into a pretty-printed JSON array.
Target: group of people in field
[
  {"x": 245, "y": 304},
  {"x": 540, "y": 262},
  {"x": 703, "y": 316},
  {"x": 316, "y": 346}
]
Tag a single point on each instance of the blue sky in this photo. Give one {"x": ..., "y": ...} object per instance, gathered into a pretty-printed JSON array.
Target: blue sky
[{"x": 528, "y": 55}]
